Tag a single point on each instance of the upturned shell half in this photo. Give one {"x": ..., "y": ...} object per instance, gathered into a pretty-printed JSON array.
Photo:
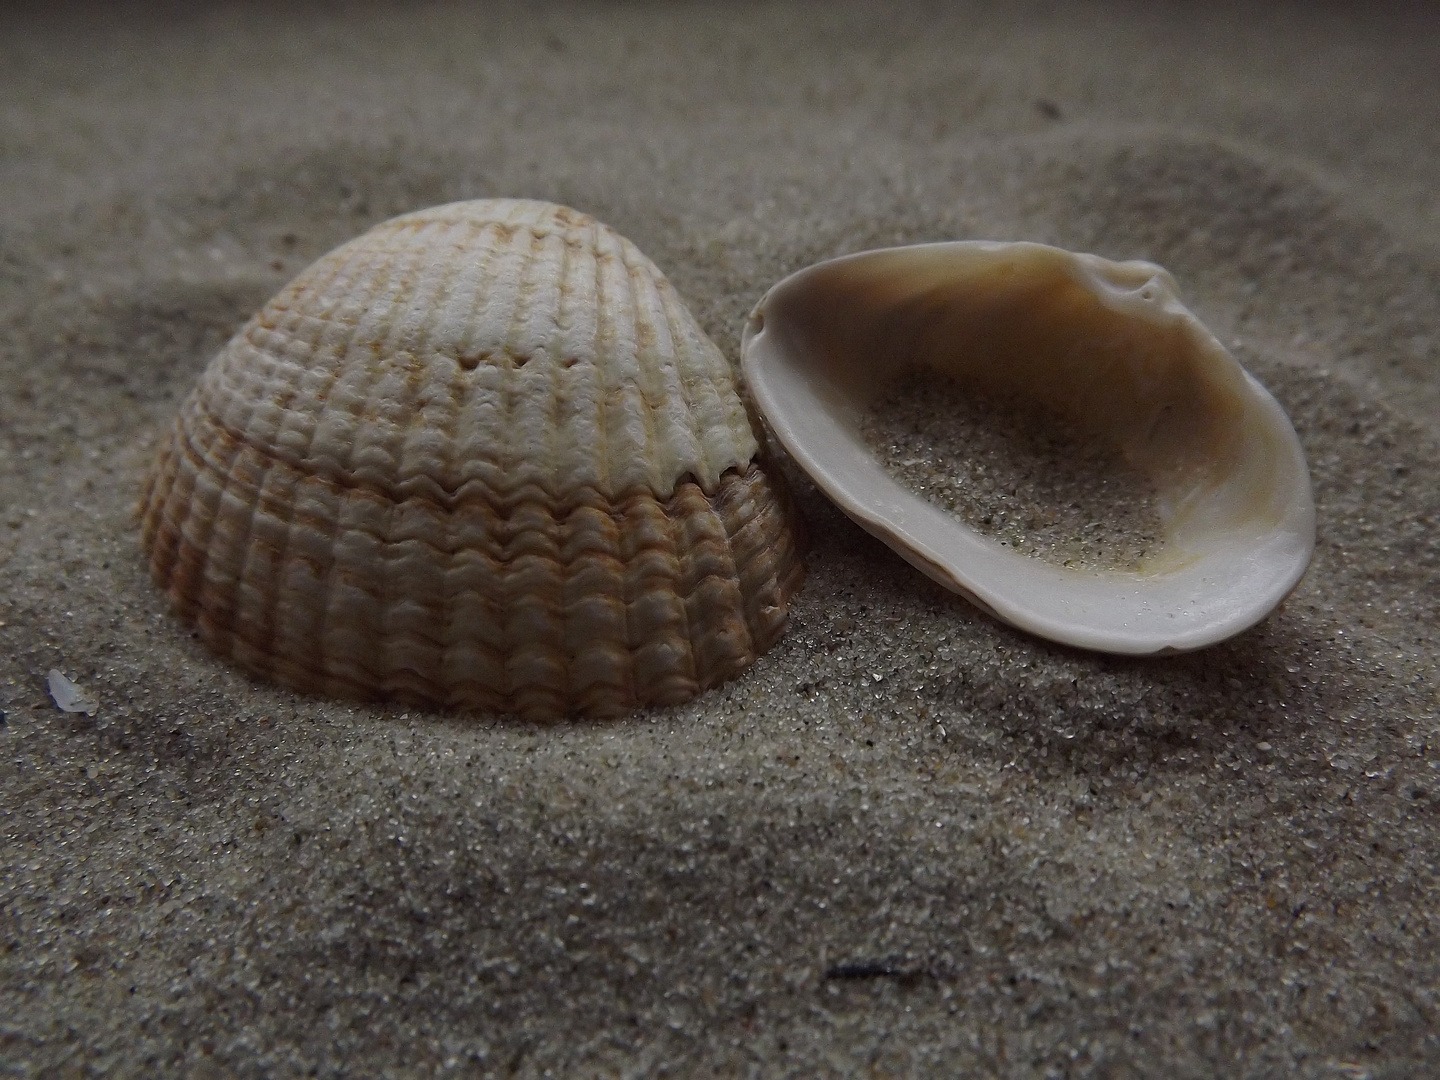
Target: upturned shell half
[
  {"x": 1105, "y": 344},
  {"x": 481, "y": 457}
]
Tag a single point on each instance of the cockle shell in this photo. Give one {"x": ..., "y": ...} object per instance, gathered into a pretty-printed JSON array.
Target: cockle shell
[
  {"x": 480, "y": 457},
  {"x": 1106, "y": 344}
]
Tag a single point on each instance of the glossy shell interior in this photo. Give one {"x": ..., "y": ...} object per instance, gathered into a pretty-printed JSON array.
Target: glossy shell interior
[{"x": 1108, "y": 346}]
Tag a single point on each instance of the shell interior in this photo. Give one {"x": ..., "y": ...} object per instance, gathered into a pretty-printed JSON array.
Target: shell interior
[{"x": 1107, "y": 345}]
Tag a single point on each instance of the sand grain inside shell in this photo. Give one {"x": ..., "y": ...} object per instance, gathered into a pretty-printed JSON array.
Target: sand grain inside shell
[{"x": 1016, "y": 472}]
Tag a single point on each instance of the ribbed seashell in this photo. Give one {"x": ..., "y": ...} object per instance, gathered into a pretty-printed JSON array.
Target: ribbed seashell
[
  {"x": 480, "y": 457},
  {"x": 1105, "y": 345}
]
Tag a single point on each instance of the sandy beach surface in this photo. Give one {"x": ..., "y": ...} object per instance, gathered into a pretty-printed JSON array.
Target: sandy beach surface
[{"x": 909, "y": 841}]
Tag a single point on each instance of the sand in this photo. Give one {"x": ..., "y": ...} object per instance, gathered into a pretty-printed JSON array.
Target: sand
[
  {"x": 1016, "y": 472},
  {"x": 909, "y": 841}
]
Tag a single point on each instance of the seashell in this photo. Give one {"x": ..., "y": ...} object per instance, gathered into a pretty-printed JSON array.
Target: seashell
[
  {"x": 1106, "y": 345},
  {"x": 480, "y": 457}
]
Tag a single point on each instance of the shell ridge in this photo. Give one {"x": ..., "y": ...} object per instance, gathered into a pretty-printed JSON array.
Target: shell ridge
[
  {"x": 578, "y": 396},
  {"x": 308, "y": 345},
  {"x": 657, "y": 628},
  {"x": 358, "y": 267},
  {"x": 767, "y": 559},
  {"x": 646, "y": 410},
  {"x": 318, "y": 281},
  {"x": 723, "y": 436},
  {"x": 349, "y": 389},
  {"x": 258, "y": 593},
  {"x": 396, "y": 380},
  {"x": 431, "y": 294},
  {"x": 186, "y": 577},
  {"x": 482, "y": 412},
  {"x": 386, "y": 387},
  {"x": 307, "y": 628},
  {"x": 600, "y": 671},
  {"x": 694, "y": 392},
  {"x": 221, "y": 577},
  {"x": 305, "y": 425},
  {"x": 714, "y": 614},
  {"x": 532, "y": 589},
  {"x": 413, "y": 588},
  {"x": 252, "y": 597},
  {"x": 503, "y": 283},
  {"x": 629, "y": 422},
  {"x": 427, "y": 446},
  {"x": 448, "y": 439},
  {"x": 529, "y": 335},
  {"x": 469, "y": 303},
  {"x": 555, "y": 418},
  {"x": 457, "y": 389},
  {"x": 669, "y": 420},
  {"x": 170, "y": 512},
  {"x": 603, "y": 302}
]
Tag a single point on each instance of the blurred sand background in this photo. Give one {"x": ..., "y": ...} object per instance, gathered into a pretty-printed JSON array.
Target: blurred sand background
[{"x": 909, "y": 841}]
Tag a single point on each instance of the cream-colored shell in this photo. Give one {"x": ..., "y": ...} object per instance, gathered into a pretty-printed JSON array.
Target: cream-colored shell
[
  {"x": 1110, "y": 346},
  {"x": 481, "y": 456}
]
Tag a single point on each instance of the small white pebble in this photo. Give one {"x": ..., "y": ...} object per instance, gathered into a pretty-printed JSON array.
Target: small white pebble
[{"x": 70, "y": 696}]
